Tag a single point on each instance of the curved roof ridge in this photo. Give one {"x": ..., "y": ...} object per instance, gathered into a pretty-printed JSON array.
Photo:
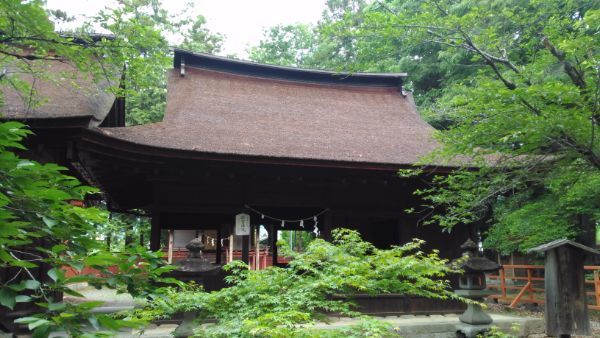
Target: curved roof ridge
[{"x": 251, "y": 68}]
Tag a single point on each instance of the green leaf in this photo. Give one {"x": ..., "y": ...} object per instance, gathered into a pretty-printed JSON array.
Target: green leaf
[
  {"x": 26, "y": 320},
  {"x": 72, "y": 292},
  {"x": 89, "y": 305},
  {"x": 54, "y": 274},
  {"x": 32, "y": 284},
  {"x": 56, "y": 306},
  {"x": 42, "y": 331},
  {"x": 23, "y": 264},
  {"x": 49, "y": 222},
  {"x": 38, "y": 323},
  {"x": 101, "y": 259},
  {"x": 8, "y": 297},
  {"x": 23, "y": 299},
  {"x": 108, "y": 322}
]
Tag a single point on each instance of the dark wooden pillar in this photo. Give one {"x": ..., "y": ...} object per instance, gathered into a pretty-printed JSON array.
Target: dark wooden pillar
[
  {"x": 128, "y": 235},
  {"x": 155, "y": 226},
  {"x": 219, "y": 248},
  {"x": 327, "y": 225},
  {"x": 273, "y": 243},
  {"x": 155, "y": 232},
  {"x": 246, "y": 248}
]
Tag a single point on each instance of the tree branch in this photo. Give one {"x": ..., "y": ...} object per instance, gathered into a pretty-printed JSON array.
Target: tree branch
[
  {"x": 574, "y": 74},
  {"x": 31, "y": 57},
  {"x": 587, "y": 152}
]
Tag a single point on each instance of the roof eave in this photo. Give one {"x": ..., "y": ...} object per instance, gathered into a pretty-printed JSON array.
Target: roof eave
[
  {"x": 249, "y": 68},
  {"x": 99, "y": 138}
]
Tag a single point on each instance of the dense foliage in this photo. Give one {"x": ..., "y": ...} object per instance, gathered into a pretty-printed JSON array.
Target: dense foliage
[
  {"x": 279, "y": 302},
  {"x": 516, "y": 85},
  {"x": 42, "y": 230},
  {"x": 42, "y": 234}
]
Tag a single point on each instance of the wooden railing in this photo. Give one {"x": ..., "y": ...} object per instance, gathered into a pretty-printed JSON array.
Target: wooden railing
[{"x": 525, "y": 284}]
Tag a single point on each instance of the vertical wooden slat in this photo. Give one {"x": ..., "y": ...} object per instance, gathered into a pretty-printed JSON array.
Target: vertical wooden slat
[
  {"x": 597, "y": 287},
  {"x": 530, "y": 282},
  {"x": 155, "y": 232},
  {"x": 503, "y": 282},
  {"x": 219, "y": 249},
  {"x": 256, "y": 248},
  {"x": 327, "y": 225},
  {"x": 230, "y": 256},
  {"x": 246, "y": 248},
  {"x": 170, "y": 246},
  {"x": 273, "y": 238}
]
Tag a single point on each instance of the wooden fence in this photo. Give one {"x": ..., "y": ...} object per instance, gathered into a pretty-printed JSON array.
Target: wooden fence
[{"x": 525, "y": 284}]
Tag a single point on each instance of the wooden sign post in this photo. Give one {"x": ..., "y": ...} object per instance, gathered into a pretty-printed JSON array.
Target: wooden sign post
[{"x": 565, "y": 299}]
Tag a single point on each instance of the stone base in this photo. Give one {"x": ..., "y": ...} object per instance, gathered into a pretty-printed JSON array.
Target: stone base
[
  {"x": 186, "y": 328},
  {"x": 470, "y": 331},
  {"x": 474, "y": 315}
]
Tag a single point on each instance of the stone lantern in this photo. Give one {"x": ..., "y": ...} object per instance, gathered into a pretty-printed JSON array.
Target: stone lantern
[
  {"x": 198, "y": 269},
  {"x": 472, "y": 285}
]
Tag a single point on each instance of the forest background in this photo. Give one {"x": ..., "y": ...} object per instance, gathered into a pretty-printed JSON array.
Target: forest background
[{"x": 512, "y": 87}]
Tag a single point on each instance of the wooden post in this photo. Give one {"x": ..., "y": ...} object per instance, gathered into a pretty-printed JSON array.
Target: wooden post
[
  {"x": 256, "y": 232},
  {"x": 530, "y": 282},
  {"x": 230, "y": 258},
  {"x": 170, "y": 246},
  {"x": 597, "y": 287},
  {"x": 566, "y": 311},
  {"x": 246, "y": 248},
  {"x": 273, "y": 239},
  {"x": 503, "y": 282},
  {"x": 219, "y": 248},
  {"x": 155, "y": 232},
  {"x": 327, "y": 225}
]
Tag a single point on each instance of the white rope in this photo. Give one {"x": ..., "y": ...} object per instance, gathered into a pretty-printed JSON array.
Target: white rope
[{"x": 283, "y": 221}]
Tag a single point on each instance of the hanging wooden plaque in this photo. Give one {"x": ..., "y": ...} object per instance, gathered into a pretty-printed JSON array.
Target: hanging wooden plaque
[{"x": 242, "y": 225}]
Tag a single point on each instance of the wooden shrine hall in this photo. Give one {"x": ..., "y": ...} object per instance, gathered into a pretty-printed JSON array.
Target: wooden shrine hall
[{"x": 241, "y": 137}]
